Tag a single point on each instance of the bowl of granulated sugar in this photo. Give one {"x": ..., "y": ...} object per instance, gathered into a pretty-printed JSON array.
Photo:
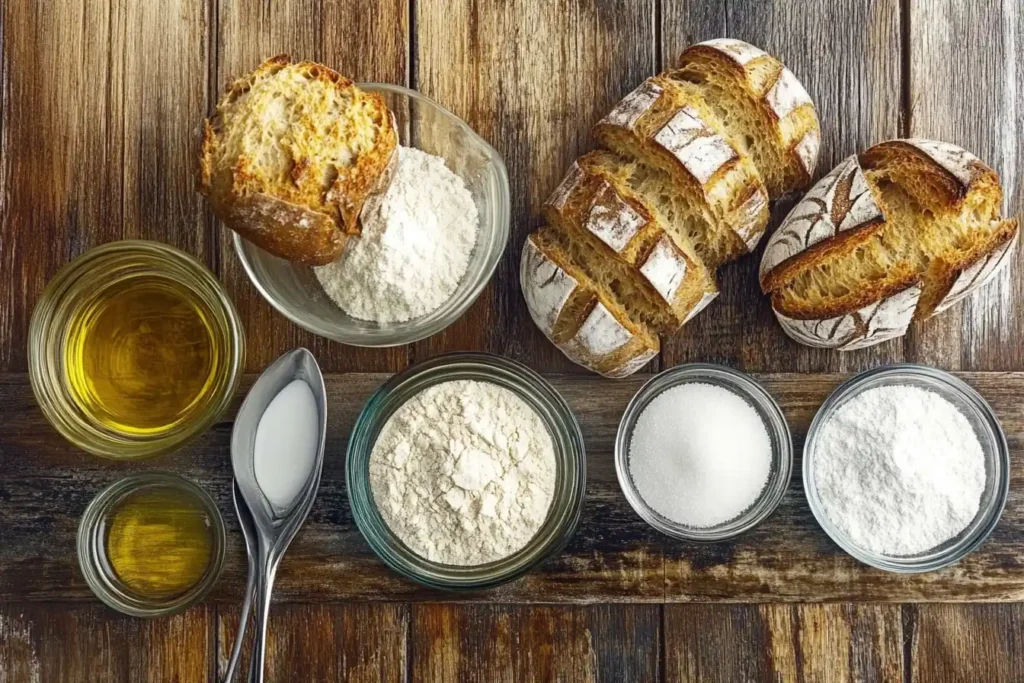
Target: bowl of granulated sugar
[
  {"x": 703, "y": 453},
  {"x": 906, "y": 468}
]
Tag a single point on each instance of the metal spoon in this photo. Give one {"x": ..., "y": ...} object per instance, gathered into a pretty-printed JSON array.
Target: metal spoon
[
  {"x": 275, "y": 529},
  {"x": 251, "y": 541}
]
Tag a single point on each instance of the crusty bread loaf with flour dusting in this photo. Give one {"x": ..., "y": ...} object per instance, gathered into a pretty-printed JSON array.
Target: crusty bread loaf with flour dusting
[
  {"x": 898, "y": 233},
  {"x": 635, "y": 231},
  {"x": 292, "y": 156}
]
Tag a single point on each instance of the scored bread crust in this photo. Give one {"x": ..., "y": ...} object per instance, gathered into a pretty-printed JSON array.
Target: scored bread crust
[
  {"x": 844, "y": 209},
  {"x": 840, "y": 207},
  {"x": 306, "y": 216},
  {"x": 787, "y": 114},
  {"x": 660, "y": 123},
  {"x": 599, "y": 210},
  {"x": 572, "y": 314}
]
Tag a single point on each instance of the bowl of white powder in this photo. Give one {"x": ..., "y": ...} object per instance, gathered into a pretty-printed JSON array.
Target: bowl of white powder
[
  {"x": 906, "y": 468},
  {"x": 466, "y": 471},
  {"x": 703, "y": 453},
  {"x": 426, "y": 251}
]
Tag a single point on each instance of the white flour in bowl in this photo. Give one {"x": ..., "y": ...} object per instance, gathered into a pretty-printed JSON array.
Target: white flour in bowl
[
  {"x": 899, "y": 470},
  {"x": 464, "y": 472},
  {"x": 414, "y": 248}
]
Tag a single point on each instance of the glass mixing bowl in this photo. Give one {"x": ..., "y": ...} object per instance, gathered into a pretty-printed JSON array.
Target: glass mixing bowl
[
  {"x": 774, "y": 421},
  {"x": 570, "y": 461},
  {"x": 990, "y": 436},
  {"x": 295, "y": 292}
]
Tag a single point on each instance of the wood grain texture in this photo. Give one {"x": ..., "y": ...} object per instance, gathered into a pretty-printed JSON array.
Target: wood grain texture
[
  {"x": 489, "y": 643},
  {"x": 74, "y": 643},
  {"x": 531, "y": 78},
  {"x": 97, "y": 141},
  {"x": 831, "y": 643},
  {"x": 354, "y": 643},
  {"x": 614, "y": 556},
  {"x": 366, "y": 40},
  {"x": 973, "y": 98},
  {"x": 956, "y": 645},
  {"x": 847, "y": 55}
]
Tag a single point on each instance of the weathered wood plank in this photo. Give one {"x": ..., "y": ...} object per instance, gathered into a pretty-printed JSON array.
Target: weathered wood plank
[
  {"x": 973, "y": 98},
  {"x": 964, "y": 643},
  {"x": 363, "y": 39},
  {"x": 614, "y": 556},
  {"x": 354, "y": 643},
  {"x": 74, "y": 643},
  {"x": 832, "y": 643},
  {"x": 847, "y": 55},
  {"x": 97, "y": 140},
  {"x": 514, "y": 643},
  {"x": 531, "y": 78}
]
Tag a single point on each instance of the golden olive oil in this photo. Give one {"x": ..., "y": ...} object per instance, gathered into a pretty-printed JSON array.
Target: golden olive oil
[
  {"x": 142, "y": 355},
  {"x": 159, "y": 542}
]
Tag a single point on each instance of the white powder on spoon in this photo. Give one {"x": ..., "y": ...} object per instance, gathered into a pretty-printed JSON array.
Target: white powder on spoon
[
  {"x": 414, "y": 249},
  {"x": 699, "y": 454},
  {"x": 899, "y": 470}
]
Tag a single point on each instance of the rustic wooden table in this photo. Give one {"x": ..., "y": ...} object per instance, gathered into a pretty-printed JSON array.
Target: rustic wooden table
[{"x": 99, "y": 110}]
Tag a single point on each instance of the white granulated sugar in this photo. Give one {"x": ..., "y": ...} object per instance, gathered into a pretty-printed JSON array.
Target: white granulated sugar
[
  {"x": 899, "y": 470},
  {"x": 414, "y": 248},
  {"x": 700, "y": 454},
  {"x": 464, "y": 473}
]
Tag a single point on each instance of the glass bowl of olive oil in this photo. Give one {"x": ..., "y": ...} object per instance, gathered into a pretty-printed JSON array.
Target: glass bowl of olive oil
[
  {"x": 151, "y": 544},
  {"x": 134, "y": 349}
]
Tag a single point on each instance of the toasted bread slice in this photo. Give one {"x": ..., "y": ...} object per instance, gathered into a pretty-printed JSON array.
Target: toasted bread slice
[
  {"x": 910, "y": 226},
  {"x": 666, "y": 124},
  {"x": 761, "y": 104},
  {"x": 590, "y": 328},
  {"x": 617, "y": 238},
  {"x": 292, "y": 155}
]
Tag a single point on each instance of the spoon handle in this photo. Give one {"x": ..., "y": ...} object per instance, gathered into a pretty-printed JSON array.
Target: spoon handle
[
  {"x": 243, "y": 622},
  {"x": 264, "y": 586}
]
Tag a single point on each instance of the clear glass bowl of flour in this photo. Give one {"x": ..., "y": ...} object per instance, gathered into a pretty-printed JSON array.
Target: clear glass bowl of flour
[
  {"x": 764, "y": 405},
  {"x": 570, "y": 465},
  {"x": 986, "y": 427},
  {"x": 294, "y": 290}
]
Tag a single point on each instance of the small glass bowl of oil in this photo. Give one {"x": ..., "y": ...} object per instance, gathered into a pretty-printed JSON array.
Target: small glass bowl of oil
[
  {"x": 151, "y": 544},
  {"x": 134, "y": 349}
]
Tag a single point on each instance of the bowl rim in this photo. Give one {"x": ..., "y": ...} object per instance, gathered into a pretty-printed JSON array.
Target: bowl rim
[
  {"x": 91, "y": 557},
  {"x": 755, "y": 395},
  {"x": 566, "y": 506},
  {"x": 502, "y": 233},
  {"x": 930, "y": 560}
]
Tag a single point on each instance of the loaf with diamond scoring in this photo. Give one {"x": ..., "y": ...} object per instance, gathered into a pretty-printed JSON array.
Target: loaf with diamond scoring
[
  {"x": 898, "y": 233},
  {"x": 634, "y": 232}
]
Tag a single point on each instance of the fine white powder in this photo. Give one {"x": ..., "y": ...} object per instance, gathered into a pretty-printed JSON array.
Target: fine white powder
[
  {"x": 464, "y": 473},
  {"x": 700, "y": 454},
  {"x": 899, "y": 470},
  {"x": 414, "y": 248}
]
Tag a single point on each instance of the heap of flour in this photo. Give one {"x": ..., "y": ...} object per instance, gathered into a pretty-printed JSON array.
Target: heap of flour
[
  {"x": 899, "y": 470},
  {"x": 414, "y": 248},
  {"x": 464, "y": 473}
]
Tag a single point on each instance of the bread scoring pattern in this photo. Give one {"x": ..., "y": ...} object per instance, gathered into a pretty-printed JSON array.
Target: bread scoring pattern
[
  {"x": 839, "y": 202},
  {"x": 873, "y": 324}
]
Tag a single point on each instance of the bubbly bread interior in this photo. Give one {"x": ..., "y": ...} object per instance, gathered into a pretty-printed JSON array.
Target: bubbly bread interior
[
  {"x": 556, "y": 244},
  {"x": 924, "y": 238},
  {"x": 725, "y": 188},
  {"x": 295, "y": 130},
  {"x": 688, "y": 222},
  {"x": 615, "y": 279},
  {"x": 748, "y": 121}
]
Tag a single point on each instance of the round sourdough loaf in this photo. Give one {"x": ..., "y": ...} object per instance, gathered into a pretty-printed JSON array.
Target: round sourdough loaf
[
  {"x": 898, "y": 233},
  {"x": 292, "y": 156}
]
